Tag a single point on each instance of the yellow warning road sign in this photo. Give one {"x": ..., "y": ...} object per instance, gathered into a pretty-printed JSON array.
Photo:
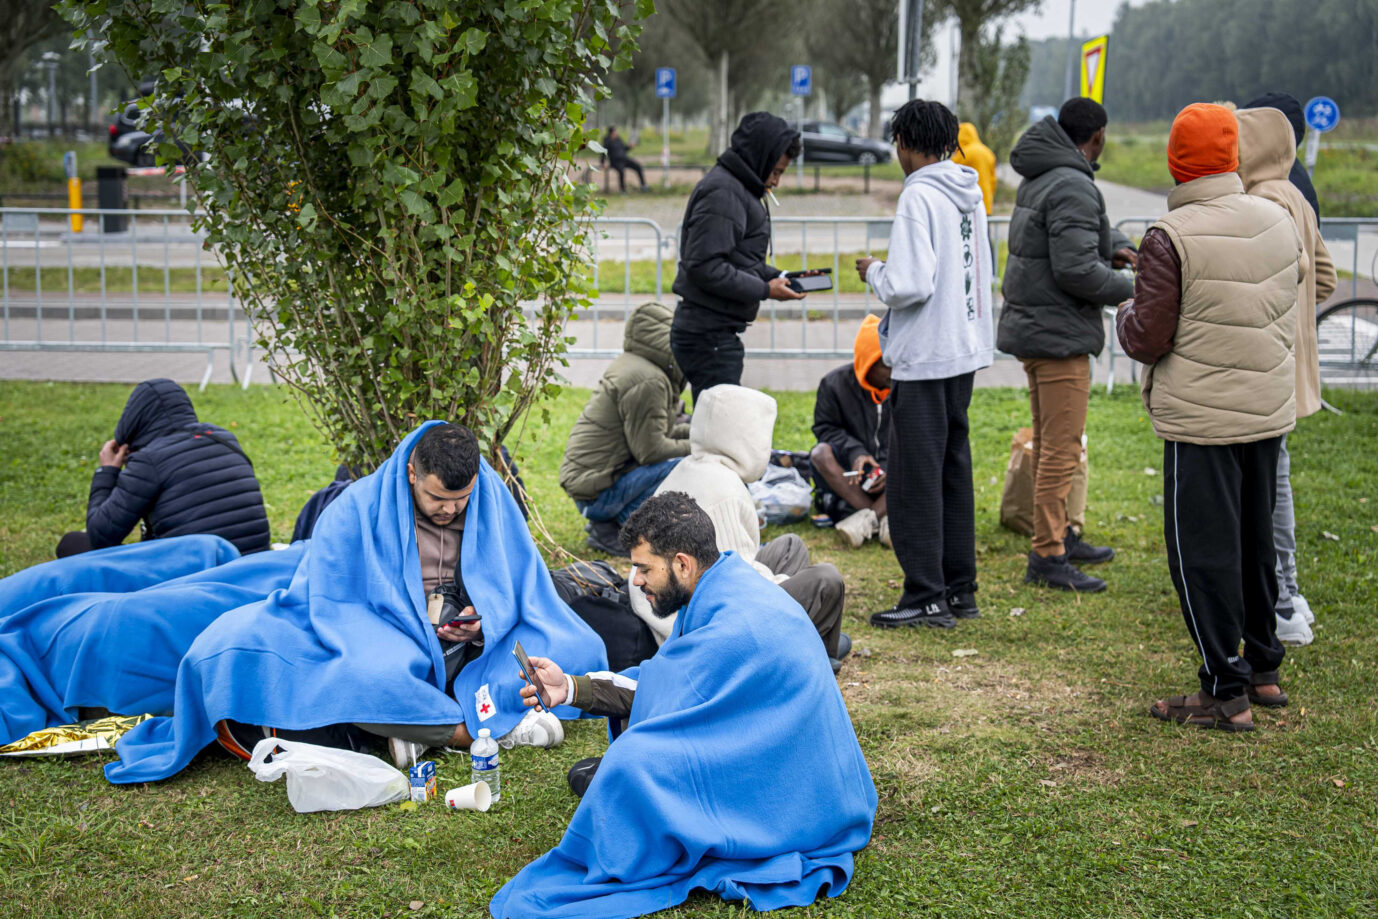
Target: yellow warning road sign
[{"x": 1093, "y": 68}]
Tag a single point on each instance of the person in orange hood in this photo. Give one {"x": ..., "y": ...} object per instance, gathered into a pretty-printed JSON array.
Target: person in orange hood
[{"x": 851, "y": 419}]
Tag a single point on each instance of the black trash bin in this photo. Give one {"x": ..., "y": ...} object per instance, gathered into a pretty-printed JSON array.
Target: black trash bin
[{"x": 110, "y": 196}]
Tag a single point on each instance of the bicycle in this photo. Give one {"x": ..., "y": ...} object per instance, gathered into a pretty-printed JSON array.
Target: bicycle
[{"x": 1347, "y": 339}]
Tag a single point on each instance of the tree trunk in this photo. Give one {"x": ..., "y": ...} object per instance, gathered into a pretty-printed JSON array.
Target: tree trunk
[
  {"x": 873, "y": 127},
  {"x": 967, "y": 58},
  {"x": 724, "y": 106}
]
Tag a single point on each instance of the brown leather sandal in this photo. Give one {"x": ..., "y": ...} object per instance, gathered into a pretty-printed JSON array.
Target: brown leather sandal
[
  {"x": 1268, "y": 678},
  {"x": 1210, "y": 712}
]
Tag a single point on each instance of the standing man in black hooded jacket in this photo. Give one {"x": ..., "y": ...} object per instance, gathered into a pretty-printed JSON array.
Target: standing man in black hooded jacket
[{"x": 723, "y": 275}]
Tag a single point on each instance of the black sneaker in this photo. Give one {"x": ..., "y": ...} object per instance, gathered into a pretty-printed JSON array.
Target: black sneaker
[
  {"x": 603, "y": 537},
  {"x": 1083, "y": 552},
  {"x": 1057, "y": 571},
  {"x": 934, "y": 615},
  {"x": 963, "y": 605}
]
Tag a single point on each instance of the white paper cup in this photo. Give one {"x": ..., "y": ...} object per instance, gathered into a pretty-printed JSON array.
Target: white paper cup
[{"x": 475, "y": 797}]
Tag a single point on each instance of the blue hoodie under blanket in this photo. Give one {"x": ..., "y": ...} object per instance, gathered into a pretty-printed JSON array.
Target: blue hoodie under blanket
[{"x": 348, "y": 640}]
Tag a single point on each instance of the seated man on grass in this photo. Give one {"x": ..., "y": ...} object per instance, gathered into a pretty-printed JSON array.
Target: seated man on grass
[
  {"x": 399, "y": 624},
  {"x": 851, "y": 419},
  {"x": 730, "y": 438},
  {"x": 739, "y": 772},
  {"x": 629, "y": 436},
  {"x": 171, "y": 475}
]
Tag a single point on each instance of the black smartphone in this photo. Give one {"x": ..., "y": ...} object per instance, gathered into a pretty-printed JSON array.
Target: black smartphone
[
  {"x": 807, "y": 281},
  {"x": 462, "y": 620},
  {"x": 527, "y": 671}
]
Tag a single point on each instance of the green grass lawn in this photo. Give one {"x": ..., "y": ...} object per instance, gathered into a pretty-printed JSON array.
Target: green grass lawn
[{"x": 1024, "y": 780}]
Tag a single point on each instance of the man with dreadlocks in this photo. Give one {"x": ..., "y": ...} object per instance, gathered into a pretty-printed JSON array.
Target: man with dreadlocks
[{"x": 937, "y": 333}]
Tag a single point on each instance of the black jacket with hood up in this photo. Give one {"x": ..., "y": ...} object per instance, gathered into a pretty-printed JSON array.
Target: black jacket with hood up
[
  {"x": 182, "y": 477},
  {"x": 1058, "y": 276},
  {"x": 1298, "y": 176},
  {"x": 725, "y": 236}
]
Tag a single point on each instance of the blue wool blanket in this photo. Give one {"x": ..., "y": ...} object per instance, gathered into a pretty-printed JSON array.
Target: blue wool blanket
[
  {"x": 349, "y": 640},
  {"x": 108, "y": 628},
  {"x": 739, "y": 772}
]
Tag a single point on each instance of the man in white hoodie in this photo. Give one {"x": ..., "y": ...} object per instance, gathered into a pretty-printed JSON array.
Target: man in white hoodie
[
  {"x": 729, "y": 446},
  {"x": 937, "y": 333}
]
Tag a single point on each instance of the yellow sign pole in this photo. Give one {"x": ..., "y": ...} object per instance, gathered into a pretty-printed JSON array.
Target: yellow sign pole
[{"x": 1093, "y": 55}]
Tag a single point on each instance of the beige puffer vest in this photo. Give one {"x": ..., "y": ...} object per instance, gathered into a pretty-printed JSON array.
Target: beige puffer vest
[{"x": 1230, "y": 376}]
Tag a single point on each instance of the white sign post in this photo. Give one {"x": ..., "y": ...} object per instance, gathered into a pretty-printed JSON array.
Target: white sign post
[
  {"x": 1322, "y": 114},
  {"x": 666, "y": 89}
]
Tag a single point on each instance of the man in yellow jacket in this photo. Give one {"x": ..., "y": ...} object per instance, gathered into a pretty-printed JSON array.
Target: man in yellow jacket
[{"x": 971, "y": 152}]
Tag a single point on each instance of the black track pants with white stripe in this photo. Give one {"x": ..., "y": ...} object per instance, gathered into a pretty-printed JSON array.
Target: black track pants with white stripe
[{"x": 1218, "y": 525}]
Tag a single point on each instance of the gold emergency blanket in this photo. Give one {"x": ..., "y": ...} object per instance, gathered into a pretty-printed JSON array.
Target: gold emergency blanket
[{"x": 109, "y": 729}]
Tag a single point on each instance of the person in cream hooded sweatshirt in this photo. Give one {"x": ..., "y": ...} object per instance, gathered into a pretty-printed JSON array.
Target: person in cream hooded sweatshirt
[
  {"x": 937, "y": 333},
  {"x": 729, "y": 446}
]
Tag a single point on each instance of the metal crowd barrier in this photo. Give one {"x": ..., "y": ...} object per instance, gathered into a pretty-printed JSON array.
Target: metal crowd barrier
[{"x": 628, "y": 256}]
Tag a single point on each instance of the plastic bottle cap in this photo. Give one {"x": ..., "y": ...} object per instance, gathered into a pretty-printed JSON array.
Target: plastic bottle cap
[{"x": 485, "y": 733}]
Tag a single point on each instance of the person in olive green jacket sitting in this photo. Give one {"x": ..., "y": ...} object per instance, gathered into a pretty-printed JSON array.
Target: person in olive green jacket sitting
[{"x": 629, "y": 436}]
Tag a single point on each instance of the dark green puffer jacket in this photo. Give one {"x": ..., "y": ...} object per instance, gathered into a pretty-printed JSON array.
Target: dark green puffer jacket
[
  {"x": 630, "y": 418},
  {"x": 1058, "y": 276}
]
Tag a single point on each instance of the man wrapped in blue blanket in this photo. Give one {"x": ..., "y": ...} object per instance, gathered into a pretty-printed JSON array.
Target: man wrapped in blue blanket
[
  {"x": 739, "y": 771},
  {"x": 106, "y": 629},
  {"x": 399, "y": 623}
]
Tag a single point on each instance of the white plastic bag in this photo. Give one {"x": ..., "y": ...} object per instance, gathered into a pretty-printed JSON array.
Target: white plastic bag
[
  {"x": 325, "y": 779},
  {"x": 781, "y": 495}
]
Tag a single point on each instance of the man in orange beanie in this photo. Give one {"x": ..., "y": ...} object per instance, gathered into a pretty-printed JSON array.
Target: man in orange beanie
[
  {"x": 1213, "y": 317},
  {"x": 851, "y": 419}
]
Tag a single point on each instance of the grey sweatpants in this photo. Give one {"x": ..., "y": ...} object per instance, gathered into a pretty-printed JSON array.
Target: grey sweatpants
[
  {"x": 819, "y": 589},
  {"x": 1285, "y": 536}
]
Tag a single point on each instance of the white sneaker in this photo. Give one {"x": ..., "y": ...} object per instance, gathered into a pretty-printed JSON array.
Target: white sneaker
[
  {"x": 859, "y": 527},
  {"x": 884, "y": 535},
  {"x": 405, "y": 753},
  {"x": 1302, "y": 608},
  {"x": 537, "y": 729},
  {"x": 1294, "y": 631}
]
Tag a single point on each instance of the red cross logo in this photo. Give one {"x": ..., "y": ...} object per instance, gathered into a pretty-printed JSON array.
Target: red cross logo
[{"x": 484, "y": 708}]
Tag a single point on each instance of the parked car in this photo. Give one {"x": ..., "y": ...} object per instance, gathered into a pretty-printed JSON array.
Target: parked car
[
  {"x": 130, "y": 140},
  {"x": 826, "y": 142}
]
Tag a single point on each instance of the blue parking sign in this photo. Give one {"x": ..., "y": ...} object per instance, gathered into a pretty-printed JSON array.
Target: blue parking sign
[
  {"x": 801, "y": 80},
  {"x": 665, "y": 83},
  {"x": 1322, "y": 114}
]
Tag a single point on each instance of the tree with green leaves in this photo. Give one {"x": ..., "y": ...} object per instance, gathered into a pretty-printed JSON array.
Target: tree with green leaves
[
  {"x": 997, "y": 72},
  {"x": 738, "y": 38},
  {"x": 388, "y": 182},
  {"x": 24, "y": 24},
  {"x": 854, "y": 43},
  {"x": 975, "y": 19}
]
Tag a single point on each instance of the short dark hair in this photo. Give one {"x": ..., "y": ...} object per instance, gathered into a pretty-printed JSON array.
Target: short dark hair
[
  {"x": 796, "y": 147},
  {"x": 672, "y": 523},
  {"x": 925, "y": 127},
  {"x": 1081, "y": 118},
  {"x": 449, "y": 452}
]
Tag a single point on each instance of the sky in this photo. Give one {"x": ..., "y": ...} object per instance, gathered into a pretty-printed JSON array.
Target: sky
[{"x": 1093, "y": 17}]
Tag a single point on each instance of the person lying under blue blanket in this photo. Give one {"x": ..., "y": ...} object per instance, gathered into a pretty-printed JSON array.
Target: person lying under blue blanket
[
  {"x": 739, "y": 772},
  {"x": 106, "y": 629},
  {"x": 399, "y": 623}
]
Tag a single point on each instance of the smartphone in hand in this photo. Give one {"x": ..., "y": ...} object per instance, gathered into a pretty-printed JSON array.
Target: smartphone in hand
[{"x": 530, "y": 673}]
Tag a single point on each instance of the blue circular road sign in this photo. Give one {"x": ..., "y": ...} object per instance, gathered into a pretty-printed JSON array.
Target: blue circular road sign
[{"x": 1322, "y": 114}]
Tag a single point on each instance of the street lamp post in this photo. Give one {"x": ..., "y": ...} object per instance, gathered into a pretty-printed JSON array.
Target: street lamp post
[{"x": 50, "y": 60}]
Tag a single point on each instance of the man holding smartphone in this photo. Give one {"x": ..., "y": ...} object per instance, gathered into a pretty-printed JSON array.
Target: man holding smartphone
[{"x": 724, "y": 239}]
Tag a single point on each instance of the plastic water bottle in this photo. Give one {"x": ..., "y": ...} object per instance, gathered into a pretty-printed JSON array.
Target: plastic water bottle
[{"x": 483, "y": 759}]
